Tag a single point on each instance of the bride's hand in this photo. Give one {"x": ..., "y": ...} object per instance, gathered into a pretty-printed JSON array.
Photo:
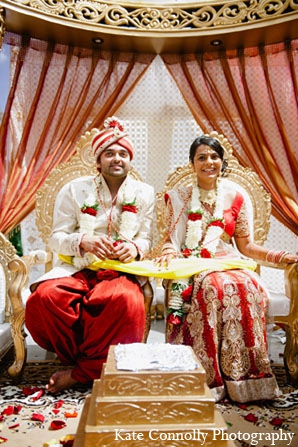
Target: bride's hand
[
  {"x": 165, "y": 259},
  {"x": 289, "y": 259}
]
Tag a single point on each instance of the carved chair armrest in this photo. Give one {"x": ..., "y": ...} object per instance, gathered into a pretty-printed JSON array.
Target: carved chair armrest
[
  {"x": 291, "y": 288},
  {"x": 291, "y": 284},
  {"x": 37, "y": 257},
  {"x": 290, "y": 321},
  {"x": 291, "y": 280},
  {"x": 20, "y": 267}
]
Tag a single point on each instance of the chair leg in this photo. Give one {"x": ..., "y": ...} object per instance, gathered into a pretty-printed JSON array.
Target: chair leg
[
  {"x": 148, "y": 298},
  {"x": 291, "y": 324},
  {"x": 291, "y": 353},
  {"x": 17, "y": 318},
  {"x": 20, "y": 350}
]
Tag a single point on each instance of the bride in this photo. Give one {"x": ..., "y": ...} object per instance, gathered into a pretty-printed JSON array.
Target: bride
[{"x": 221, "y": 314}]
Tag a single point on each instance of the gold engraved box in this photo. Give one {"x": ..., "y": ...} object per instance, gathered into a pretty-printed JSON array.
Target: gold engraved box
[
  {"x": 150, "y": 383},
  {"x": 150, "y": 408}
]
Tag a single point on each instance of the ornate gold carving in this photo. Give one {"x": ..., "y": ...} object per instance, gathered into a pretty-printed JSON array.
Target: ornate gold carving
[
  {"x": 2, "y": 25},
  {"x": 16, "y": 277},
  {"x": 168, "y": 384},
  {"x": 160, "y": 397},
  {"x": 173, "y": 420},
  {"x": 7, "y": 253},
  {"x": 187, "y": 435},
  {"x": 17, "y": 318},
  {"x": 189, "y": 17},
  {"x": 161, "y": 411},
  {"x": 115, "y": 383}
]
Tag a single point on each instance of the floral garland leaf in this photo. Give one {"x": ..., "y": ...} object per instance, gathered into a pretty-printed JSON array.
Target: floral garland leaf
[{"x": 130, "y": 202}]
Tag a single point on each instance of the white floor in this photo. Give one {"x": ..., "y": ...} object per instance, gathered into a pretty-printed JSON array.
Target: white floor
[{"x": 276, "y": 341}]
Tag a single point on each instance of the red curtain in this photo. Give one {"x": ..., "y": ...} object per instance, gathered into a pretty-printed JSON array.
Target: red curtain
[
  {"x": 250, "y": 96},
  {"x": 57, "y": 93}
]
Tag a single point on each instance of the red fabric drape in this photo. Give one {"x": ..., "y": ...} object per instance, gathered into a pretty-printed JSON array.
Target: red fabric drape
[
  {"x": 57, "y": 93},
  {"x": 250, "y": 96}
]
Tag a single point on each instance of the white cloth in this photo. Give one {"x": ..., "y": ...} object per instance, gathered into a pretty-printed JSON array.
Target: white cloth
[
  {"x": 156, "y": 356},
  {"x": 66, "y": 236}
]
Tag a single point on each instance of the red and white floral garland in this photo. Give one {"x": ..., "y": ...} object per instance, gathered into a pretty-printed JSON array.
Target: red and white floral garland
[
  {"x": 88, "y": 219},
  {"x": 196, "y": 245}
]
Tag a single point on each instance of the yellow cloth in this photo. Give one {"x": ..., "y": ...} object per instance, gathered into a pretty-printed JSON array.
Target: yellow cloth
[{"x": 178, "y": 268}]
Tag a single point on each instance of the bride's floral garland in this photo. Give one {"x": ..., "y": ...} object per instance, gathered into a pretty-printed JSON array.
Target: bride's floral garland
[
  {"x": 197, "y": 244},
  {"x": 88, "y": 220}
]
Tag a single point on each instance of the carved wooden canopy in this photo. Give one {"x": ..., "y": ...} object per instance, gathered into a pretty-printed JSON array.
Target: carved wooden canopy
[{"x": 155, "y": 27}]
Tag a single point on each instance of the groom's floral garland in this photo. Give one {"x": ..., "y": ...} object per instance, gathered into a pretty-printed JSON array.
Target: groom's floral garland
[
  {"x": 196, "y": 245},
  {"x": 88, "y": 220}
]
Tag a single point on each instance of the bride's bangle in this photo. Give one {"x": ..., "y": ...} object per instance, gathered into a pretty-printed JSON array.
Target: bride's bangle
[
  {"x": 276, "y": 257},
  {"x": 283, "y": 255}
]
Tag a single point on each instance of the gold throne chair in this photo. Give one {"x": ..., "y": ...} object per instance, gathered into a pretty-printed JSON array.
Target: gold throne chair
[
  {"x": 283, "y": 308},
  {"x": 81, "y": 164}
]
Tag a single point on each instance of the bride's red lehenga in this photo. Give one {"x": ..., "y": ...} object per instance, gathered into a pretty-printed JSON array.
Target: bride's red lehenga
[{"x": 226, "y": 322}]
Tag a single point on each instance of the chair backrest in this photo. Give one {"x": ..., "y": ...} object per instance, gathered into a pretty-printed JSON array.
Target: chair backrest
[
  {"x": 258, "y": 201},
  {"x": 81, "y": 164}
]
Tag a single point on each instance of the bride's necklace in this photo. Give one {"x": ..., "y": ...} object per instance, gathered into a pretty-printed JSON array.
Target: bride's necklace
[{"x": 208, "y": 196}]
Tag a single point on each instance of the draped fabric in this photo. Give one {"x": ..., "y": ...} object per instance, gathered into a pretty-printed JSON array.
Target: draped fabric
[
  {"x": 250, "y": 96},
  {"x": 57, "y": 93}
]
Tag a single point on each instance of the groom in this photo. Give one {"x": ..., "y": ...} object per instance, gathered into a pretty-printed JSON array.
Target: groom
[{"x": 78, "y": 312}]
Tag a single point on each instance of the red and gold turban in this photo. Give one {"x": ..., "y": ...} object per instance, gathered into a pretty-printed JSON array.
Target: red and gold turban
[{"x": 113, "y": 132}]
